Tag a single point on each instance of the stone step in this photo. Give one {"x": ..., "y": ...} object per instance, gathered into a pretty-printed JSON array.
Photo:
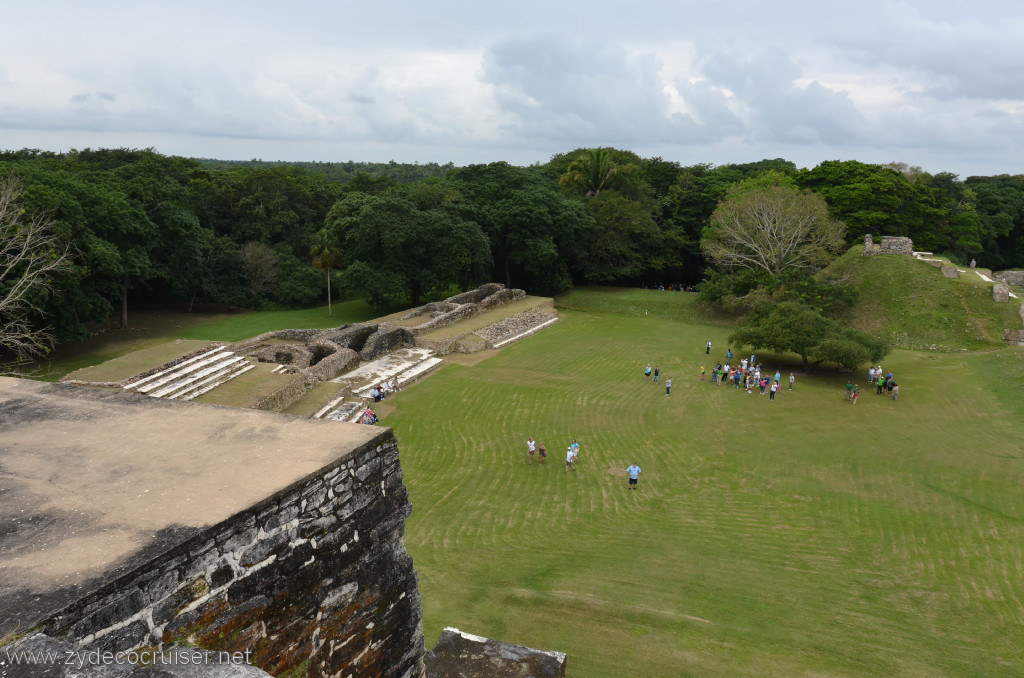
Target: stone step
[
  {"x": 190, "y": 361},
  {"x": 197, "y": 375},
  {"x": 183, "y": 389},
  {"x": 178, "y": 373},
  {"x": 207, "y": 389},
  {"x": 350, "y": 412}
]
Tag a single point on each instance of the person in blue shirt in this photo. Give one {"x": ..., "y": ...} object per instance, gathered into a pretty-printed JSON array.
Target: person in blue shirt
[{"x": 634, "y": 474}]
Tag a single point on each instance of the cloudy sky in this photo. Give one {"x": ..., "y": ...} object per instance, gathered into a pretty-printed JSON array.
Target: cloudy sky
[{"x": 931, "y": 83}]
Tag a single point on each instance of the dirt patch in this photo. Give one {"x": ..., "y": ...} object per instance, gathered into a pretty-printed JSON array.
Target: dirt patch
[{"x": 616, "y": 471}]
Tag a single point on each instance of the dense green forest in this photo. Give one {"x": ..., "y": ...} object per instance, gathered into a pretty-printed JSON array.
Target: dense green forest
[{"x": 142, "y": 228}]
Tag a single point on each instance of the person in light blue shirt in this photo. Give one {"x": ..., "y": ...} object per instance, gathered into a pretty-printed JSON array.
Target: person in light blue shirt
[{"x": 634, "y": 474}]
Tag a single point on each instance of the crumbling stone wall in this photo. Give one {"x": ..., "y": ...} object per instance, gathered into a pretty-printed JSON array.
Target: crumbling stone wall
[
  {"x": 286, "y": 354},
  {"x": 1001, "y": 293},
  {"x": 385, "y": 340},
  {"x": 477, "y": 295},
  {"x": 314, "y": 579},
  {"x": 340, "y": 361},
  {"x": 1013, "y": 337},
  {"x": 297, "y": 335},
  {"x": 950, "y": 271},
  {"x": 889, "y": 245},
  {"x": 1010, "y": 277}
]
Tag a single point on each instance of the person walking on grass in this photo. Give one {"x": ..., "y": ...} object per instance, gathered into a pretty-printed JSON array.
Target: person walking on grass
[
  {"x": 656, "y": 371},
  {"x": 570, "y": 457},
  {"x": 702, "y": 371},
  {"x": 849, "y": 388},
  {"x": 895, "y": 392},
  {"x": 856, "y": 392},
  {"x": 542, "y": 452},
  {"x": 668, "y": 386},
  {"x": 647, "y": 372},
  {"x": 707, "y": 348},
  {"x": 791, "y": 380},
  {"x": 531, "y": 447},
  {"x": 775, "y": 387},
  {"x": 634, "y": 474}
]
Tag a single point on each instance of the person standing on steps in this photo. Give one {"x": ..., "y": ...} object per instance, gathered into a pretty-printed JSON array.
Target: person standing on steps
[
  {"x": 668, "y": 386},
  {"x": 634, "y": 474},
  {"x": 531, "y": 447}
]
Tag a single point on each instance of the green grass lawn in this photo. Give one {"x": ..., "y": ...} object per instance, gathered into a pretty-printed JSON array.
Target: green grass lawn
[
  {"x": 803, "y": 537},
  {"x": 139, "y": 361}
]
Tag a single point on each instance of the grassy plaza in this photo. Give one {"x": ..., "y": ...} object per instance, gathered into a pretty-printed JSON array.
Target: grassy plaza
[{"x": 806, "y": 536}]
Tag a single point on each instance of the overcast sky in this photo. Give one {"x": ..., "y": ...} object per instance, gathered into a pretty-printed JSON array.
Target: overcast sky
[{"x": 931, "y": 83}]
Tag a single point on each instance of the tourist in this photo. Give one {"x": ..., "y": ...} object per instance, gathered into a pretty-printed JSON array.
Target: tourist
[
  {"x": 881, "y": 383},
  {"x": 634, "y": 473},
  {"x": 849, "y": 388},
  {"x": 702, "y": 371},
  {"x": 791, "y": 380},
  {"x": 531, "y": 447},
  {"x": 714, "y": 373},
  {"x": 778, "y": 377},
  {"x": 570, "y": 456},
  {"x": 871, "y": 374},
  {"x": 743, "y": 364},
  {"x": 973, "y": 264},
  {"x": 656, "y": 371},
  {"x": 542, "y": 452},
  {"x": 895, "y": 392},
  {"x": 575, "y": 449},
  {"x": 647, "y": 372},
  {"x": 668, "y": 386},
  {"x": 728, "y": 354},
  {"x": 707, "y": 348},
  {"x": 775, "y": 387},
  {"x": 856, "y": 392}
]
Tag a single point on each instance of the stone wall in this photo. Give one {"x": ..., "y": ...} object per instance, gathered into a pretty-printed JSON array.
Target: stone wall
[
  {"x": 477, "y": 295},
  {"x": 297, "y": 335},
  {"x": 385, "y": 340},
  {"x": 284, "y": 397},
  {"x": 314, "y": 579},
  {"x": 341, "y": 360},
  {"x": 1013, "y": 337},
  {"x": 888, "y": 245},
  {"x": 1010, "y": 277},
  {"x": 502, "y": 297},
  {"x": 1001, "y": 293},
  {"x": 950, "y": 271},
  {"x": 285, "y": 354}
]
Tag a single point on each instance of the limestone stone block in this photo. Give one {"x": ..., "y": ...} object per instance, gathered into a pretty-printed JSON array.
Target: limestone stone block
[
  {"x": 1013, "y": 337},
  {"x": 1001, "y": 292},
  {"x": 950, "y": 271}
]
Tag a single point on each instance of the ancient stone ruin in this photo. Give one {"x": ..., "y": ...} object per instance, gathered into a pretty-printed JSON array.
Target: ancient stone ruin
[
  {"x": 1001, "y": 293},
  {"x": 889, "y": 245}
]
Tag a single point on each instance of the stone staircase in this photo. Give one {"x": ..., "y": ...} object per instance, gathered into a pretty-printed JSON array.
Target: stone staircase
[
  {"x": 404, "y": 365},
  {"x": 193, "y": 377}
]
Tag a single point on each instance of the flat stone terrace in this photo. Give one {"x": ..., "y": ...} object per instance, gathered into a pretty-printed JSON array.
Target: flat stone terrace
[{"x": 94, "y": 483}]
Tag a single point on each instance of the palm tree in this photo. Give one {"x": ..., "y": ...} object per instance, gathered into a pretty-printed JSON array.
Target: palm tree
[
  {"x": 326, "y": 255},
  {"x": 592, "y": 172}
]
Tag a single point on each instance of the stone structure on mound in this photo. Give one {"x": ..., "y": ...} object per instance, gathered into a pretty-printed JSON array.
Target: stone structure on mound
[
  {"x": 1001, "y": 293},
  {"x": 888, "y": 245}
]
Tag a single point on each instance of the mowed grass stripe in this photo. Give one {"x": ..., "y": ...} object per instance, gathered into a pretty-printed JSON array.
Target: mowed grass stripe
[{"x": 804, "y": 536}]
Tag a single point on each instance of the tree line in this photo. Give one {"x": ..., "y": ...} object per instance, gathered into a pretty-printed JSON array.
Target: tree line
[{"x": 137, "y": 227}]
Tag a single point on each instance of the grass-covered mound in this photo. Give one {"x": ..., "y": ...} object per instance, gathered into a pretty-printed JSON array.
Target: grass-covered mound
[
  {"x": 911, "y": 304},
  {"x": 807, "y": 536}
]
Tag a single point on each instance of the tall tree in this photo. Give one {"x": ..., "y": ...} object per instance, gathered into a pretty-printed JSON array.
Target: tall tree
[
  {"x": 772, "y": 229},
  {"x": 326, "y": 256},
  {"x": 31, "y": 254},
  {"x": 591, "y": 173}
]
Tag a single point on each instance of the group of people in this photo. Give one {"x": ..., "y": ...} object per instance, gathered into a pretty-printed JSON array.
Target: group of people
[
  {"x": 746, "y": 375},
  {"x": 368, "y": 417},
  {"x": 384, "y": 389},
  {"x": 657, "y": 372},
  {"x": 534, "y": 447},
  {"x": 882, "y": 380}
]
